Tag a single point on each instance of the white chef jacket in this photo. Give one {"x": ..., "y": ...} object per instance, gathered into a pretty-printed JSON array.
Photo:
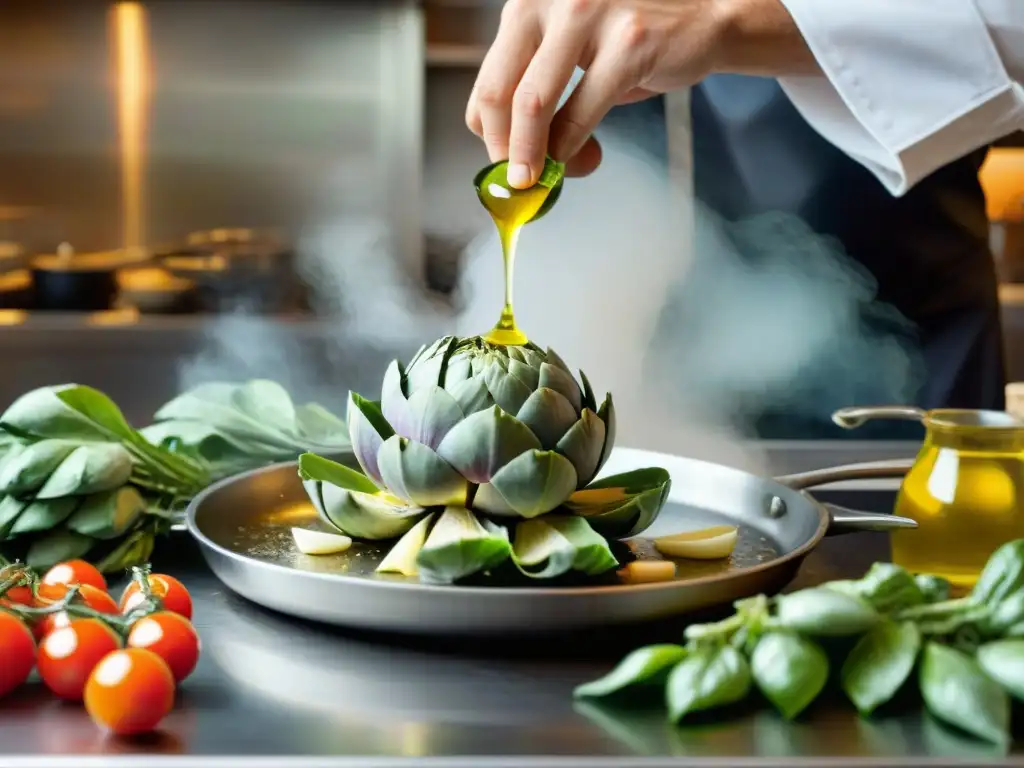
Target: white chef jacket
[{"x": 911, "y": 85}]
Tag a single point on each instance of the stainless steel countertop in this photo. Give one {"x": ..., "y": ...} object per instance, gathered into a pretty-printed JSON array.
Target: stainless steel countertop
[{"x": 270, "y": 691}]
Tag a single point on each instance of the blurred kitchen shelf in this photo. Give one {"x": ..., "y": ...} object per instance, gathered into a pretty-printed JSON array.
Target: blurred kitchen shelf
[{"x": 455, "y": 55}]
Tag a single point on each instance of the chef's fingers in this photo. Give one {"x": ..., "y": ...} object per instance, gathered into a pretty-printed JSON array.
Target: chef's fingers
[
  {"x": 604, "y": 83},
  {"x": 539, "y": 92},
  {"x": 586, "y": 161},
  {"x": 634, "y": 95},
  {"x": 489, "y": 111}
]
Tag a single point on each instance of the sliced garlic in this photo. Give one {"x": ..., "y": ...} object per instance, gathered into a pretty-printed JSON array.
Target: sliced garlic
[
  {"x": 319, "y": 543},
  {"x": 706, "y": 544},
  {"x": 647, "y": 571}
]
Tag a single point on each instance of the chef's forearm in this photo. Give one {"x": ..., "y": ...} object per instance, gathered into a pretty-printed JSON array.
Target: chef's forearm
[{"x": 759, "y": 37}]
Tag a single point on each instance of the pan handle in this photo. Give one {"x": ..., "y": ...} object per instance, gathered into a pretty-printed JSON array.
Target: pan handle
[
  {"x": 872, "y": 470},
  {"x": 841, "y": 519}
]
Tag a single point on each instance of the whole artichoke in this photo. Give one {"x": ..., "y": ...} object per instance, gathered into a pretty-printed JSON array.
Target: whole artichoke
[{"x": 505, "y": 432}]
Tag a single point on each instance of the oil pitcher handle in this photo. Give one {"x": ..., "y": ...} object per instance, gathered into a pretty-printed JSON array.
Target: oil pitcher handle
[
  {"x": 851, "y": 418},
  {"x": 873, "y": 470}
]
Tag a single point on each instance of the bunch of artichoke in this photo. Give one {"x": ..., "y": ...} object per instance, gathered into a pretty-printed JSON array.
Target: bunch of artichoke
[
  {"x": 479, "y": 457},
  {"x": 76, "y": 481}
]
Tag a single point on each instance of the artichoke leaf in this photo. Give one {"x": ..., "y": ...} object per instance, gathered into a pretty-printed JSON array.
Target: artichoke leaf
[
  {"x": 412, "y": 471},
  {"x": 401, "y": 558},
  {"x": 472, "y": 395},
  {"x": 548, "y": 415},
  {"x": 393, "y": 403},
  {"x": 607, "y": 414},
  {"x": 509, "y": 393},
  {"x": 459, "y": 545},
  {"x": 532, "y": 484},
  {"x": 90, "y": 468},
  {"x": 583, "y": 445},
  {"x": 589, "y": 399},
  {"x": 484, "y": 442},
  {"x": 560, "y": 380},
  {"x": 432, "y": 413},
  {"x": 371, "y": 516},
  {"x": 367, "y": 430},
  {"x": 560, "y": 543},
  {"x": 622, "y": 505},
  {"x": 523, "y": 373}
]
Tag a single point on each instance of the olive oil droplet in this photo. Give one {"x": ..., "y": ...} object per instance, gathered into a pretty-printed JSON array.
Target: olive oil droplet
[{"x": 511, "y": 209}]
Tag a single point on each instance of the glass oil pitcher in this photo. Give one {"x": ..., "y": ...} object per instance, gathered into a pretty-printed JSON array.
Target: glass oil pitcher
[{"x": 965, "y": 489}]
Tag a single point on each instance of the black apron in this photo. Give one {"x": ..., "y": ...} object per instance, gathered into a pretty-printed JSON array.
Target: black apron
[{"x": 927, "y": 252}]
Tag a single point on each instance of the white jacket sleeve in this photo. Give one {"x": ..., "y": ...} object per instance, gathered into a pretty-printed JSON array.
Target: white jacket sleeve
[{"x": 911, "y": 85}]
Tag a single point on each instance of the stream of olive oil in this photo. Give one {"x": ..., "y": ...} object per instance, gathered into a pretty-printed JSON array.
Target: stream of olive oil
[{"x": 511, "y": 209}]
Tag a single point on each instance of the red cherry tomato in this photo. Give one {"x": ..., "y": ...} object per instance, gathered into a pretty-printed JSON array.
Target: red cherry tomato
[
  {"x": 47, "y": 624},
  {"x": 171, "y": 591},
  {"x": 130, "y": 691},
  {"x": 17, "y": 652},
  {"x": 68, "y": 654},
  {"x": 76, "y": 572},
  {"x": 97, "y": 599},
  {"x": 171, "y": 637},
  {"x": 18, "y": 596}
]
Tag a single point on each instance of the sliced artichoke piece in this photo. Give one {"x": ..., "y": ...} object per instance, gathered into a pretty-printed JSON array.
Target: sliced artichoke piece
[
  {"x": 351, "y": 503},
  {"x": 459, "y": 545},
  {"x": 412, "y": 471},
  {"x": 483, "y": 443},
  {"x": 622, "y": 505},
  {"x": 530, "y": 485},
  {"x": 44, "y": 514},
  {"x": 402, "y": 557},
  {"x": 57, "y": 547},
  {"x": 107, "y": 515},
  {"x": 90, "y": 468},
  {"x": 583, "y": 445},
  {"x": 27, "y": 471},
  {"x": 559, "y": 544}
]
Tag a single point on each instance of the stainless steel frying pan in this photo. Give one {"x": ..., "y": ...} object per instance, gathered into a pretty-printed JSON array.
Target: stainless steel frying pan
[{"x": 243, "y": 527}]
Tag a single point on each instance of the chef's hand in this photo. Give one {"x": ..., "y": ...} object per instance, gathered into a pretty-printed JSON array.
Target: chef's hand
[{"x": 629, "y": 49}]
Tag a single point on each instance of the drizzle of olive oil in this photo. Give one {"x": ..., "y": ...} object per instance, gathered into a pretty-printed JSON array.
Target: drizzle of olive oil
[{"x": 511, "y": 209}]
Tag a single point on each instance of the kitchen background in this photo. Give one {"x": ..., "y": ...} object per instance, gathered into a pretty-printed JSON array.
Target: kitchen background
[{"x": 230, "y": 189}]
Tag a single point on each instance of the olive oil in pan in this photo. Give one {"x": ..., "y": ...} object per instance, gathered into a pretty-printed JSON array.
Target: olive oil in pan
[{"x": 511, "y": 209}]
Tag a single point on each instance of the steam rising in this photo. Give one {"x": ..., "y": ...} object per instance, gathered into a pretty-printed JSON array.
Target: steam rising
[{"x": 768, "y": 315}]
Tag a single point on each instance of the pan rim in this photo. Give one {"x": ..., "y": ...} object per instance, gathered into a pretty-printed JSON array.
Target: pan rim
[{"x": 660, "y": 459}]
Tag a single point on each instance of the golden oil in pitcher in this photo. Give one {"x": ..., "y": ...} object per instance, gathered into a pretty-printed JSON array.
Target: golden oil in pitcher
[
  {"x": 966, "y": 492},
  {"x": 511, "y": 209}
]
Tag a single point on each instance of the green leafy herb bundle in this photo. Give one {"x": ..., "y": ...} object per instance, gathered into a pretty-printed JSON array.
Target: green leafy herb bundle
[
  {"x": 873, "y": 636},
  {"x": 77, "y": 481},
  {"x": 237, "y": 427}
]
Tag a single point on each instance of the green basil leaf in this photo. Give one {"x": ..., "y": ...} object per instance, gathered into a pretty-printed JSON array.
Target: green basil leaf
[
  {"x": 707, "y": 678},
  {"x": 1003, "y": 661},
  {"x": 1002, "y": 575},
  {"x": 957, "y": 692},
  {"x": 825, "y": 613},
  {"x": 888, "y": 587},
  {"x": 789, "y": 670},
  {"x": 27, "y": 471},
  {"x": 934, "y": 588},
  {"x": 43, "y": 413},
  {"x": 268, "y": 403},
  {"x": 1005, "y": 614},
  {"x": 44, "y": 515},
  {"x": 642, "y": 666},
  {"x": 90, "y": 468},
  {"x": 880, "y": 664},
  {"x": 56, "y": 547}
]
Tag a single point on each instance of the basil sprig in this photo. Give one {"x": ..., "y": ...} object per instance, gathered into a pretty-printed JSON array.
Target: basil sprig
[{"x": 968, "y": 652}]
